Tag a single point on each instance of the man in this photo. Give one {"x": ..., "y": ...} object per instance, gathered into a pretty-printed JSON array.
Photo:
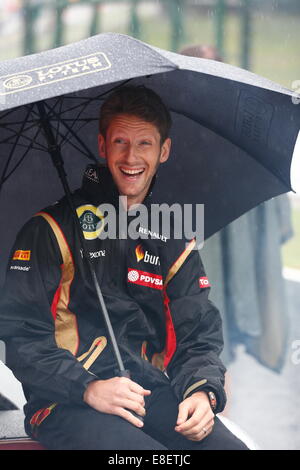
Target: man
[{"x": 168, "y": 331}]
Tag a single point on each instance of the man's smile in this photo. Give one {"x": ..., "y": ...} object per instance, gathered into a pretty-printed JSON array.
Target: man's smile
[{"x": 131, "y": 173}]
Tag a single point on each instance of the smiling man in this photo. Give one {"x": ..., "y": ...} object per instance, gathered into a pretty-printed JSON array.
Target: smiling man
[
  {"x": 134, "y": 152},
  {"x": 169, "y": 333},
  {"x": 134, "y": 144}
]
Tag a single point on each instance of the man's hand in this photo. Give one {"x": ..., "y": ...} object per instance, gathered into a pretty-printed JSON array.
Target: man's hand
[
  {"x": 117, "y": 396},
  {"x": 195, "y": 418}
]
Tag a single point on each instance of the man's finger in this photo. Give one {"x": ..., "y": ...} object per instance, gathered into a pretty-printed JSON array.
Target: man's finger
[
  {"x": 187, "y": 424},
  {"x": 134, "y": 397},
  {"x": 205, "y": 431},
  {"x": 195, "y": 423},
  {"x": 201, "y": 430},
  {"x": 132, "y": 405},
  {"x": 138, "y": 398},
  {"x": 129, "y": 417},
  {"x": 136, "y": 388},
  {"x": 182, "y": 414}
]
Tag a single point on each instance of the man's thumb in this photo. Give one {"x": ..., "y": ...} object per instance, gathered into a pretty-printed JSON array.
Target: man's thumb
[{"x": 182, "y": 416}]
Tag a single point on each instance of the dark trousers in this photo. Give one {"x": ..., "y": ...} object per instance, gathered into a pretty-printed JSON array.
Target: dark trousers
[{"x": 81, "y": 427}]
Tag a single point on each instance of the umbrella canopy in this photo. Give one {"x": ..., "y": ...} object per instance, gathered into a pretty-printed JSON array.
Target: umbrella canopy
[{"x": 233, "y": 132}]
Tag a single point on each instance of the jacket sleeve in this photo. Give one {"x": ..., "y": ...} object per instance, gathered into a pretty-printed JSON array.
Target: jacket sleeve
[
  {"x": 197, "y": 330},
  {"x": 26, "y": 321}
]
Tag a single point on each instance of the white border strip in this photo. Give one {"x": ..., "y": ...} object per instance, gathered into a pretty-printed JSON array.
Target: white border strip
[
  {"x": 10, "y": 387},
  {"x": 239, "y": 432},
  {"x": 291, "y": 274},
  {"x": 295, "y": 166}
]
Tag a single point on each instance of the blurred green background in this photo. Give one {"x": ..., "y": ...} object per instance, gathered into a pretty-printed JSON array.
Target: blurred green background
[{"x": 261, "y": 35}]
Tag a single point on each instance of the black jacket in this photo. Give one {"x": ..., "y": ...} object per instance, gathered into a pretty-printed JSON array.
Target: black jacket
[{"x": 166, "y": 327}]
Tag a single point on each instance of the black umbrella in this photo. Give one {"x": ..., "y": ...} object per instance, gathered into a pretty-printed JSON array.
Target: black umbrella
[{"x": 233, "y": 134}]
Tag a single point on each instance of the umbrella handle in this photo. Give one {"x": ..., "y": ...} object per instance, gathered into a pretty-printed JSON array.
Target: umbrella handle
[
  {"x": 126, "y": 373},
  {"x": 58, "y": 162}
]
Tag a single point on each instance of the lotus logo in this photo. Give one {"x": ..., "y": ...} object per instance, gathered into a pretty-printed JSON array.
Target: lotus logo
[
  {"x": 91, "y": 220},
  {"x": 88, "y": 218},
  {"x": 18, "y": 81},
  {"x": 53, "y": 73}
]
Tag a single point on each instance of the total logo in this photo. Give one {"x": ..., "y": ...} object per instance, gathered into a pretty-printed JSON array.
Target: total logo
[
  {"x": 143, "y": 278},
  {"x": 204, "y": 282},
  {"x": 145, "y": 256}
]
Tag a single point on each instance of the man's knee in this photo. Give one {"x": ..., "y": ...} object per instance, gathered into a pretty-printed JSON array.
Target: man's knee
[
  {"x": 83, "y": 428},
  {"x": 221, "y": 438}
]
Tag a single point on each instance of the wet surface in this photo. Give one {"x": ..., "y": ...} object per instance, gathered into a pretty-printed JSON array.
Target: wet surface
[{"x": 263, "y": 403}]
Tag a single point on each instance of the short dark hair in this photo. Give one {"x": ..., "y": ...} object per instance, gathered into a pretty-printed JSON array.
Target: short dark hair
[{"x": 138, "y": 101}]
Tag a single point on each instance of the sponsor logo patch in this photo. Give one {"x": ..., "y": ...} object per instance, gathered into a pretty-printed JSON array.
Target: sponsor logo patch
[
  {"x": 135, "y": 276},
  {"x": 18, "y": 81},
  {"x": 20, "y": 268},
  {"x": 53, "y": 73},
  {"x": 158, "y": 236},
  {"x": 22, "y": 255},
  {"x": 97, "y": 254},
  {"x": 204, "y": 282},
  {"x": 139, "y": 253},
  {"x": 145, "y": 256},
  {"x": 91, "y": 174},
  {"x": 91, "y": 220}
]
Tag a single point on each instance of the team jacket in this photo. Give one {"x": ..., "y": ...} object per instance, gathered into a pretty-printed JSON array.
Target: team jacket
[{"x": 155, "y": 290}]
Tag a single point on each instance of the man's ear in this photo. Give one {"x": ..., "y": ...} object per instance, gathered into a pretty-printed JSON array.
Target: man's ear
[
  {"x": 165, "y": 150},
  {"x": 101, "y": 146}
]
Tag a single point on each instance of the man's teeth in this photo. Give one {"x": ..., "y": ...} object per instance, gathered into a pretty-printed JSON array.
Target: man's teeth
[{"x": 132, "y": 172}]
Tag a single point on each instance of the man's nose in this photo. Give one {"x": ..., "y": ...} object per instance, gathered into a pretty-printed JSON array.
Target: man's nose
[{"x": 130, "y": 154}]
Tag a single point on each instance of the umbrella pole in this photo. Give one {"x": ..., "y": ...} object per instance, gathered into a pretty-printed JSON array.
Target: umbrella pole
[{"x": 57, "y": 160}]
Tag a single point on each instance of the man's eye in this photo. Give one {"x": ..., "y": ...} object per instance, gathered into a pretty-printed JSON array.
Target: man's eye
[
  {"x": 119, "y": 141},
  {"x": 145, "y": 142}
]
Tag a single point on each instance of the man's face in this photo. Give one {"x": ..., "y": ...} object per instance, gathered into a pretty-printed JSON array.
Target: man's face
[{"x": 133, "y": 152}]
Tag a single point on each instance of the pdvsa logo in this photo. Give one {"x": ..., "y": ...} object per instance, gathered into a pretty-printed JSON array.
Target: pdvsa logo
[
  {"x": 135, "y": 276},
  {"x": 146, "y": 256}
]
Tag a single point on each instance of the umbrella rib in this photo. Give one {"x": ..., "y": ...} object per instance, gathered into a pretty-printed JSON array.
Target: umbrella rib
[
  {"x": 5, "y": 124},
  {"x": 14, "y": 147},
  {"x": 21, "y": 159},
  {"x": 81, "y": 150},
  {"x": 70, "y": 131},
  {"x": 18, "y": 134},
  {"x": 60, "y": 101},
  {"x": 84, "y": 120},
  {"x": 81, "y": 110},
  {"x": 25, "y": 137},
  {"x": 88, "y": 155},
  {"x": 91, "y": 98}
]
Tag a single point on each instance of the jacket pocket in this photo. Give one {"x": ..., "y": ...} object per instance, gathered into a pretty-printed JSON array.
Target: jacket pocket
[{"x": 88, "y": 358}]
